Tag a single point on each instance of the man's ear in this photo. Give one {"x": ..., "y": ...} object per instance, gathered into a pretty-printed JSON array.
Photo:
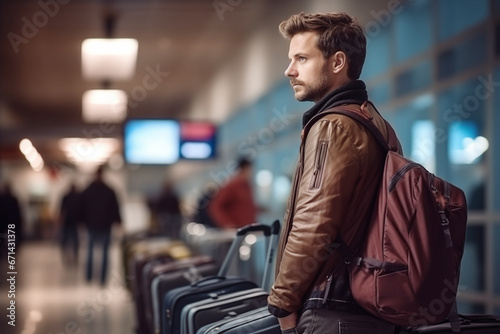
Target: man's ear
[{"x": 339, "y": 62}]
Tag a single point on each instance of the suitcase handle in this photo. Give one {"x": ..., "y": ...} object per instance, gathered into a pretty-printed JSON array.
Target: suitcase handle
[
  {"x": 240, "y": 235},
  {"x": 271, "y": 252},
  {"x": 208, "y": 278},
  {"x": 275, "y": 227},
  {"x": 254, "y": 228}
]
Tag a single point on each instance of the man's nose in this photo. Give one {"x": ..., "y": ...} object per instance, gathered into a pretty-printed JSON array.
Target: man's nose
[{"x": 290, "y": 71}]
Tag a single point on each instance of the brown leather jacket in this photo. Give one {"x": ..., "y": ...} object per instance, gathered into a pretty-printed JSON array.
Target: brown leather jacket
[{"x": 335, "y": 182}]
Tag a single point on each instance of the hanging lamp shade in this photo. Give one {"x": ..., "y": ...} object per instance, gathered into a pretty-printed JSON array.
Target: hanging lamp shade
[
  {"x": 104, "y": 105},
  {"x": 110, "y": 59}
]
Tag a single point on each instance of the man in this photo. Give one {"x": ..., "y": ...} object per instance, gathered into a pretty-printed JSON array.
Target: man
[
  {"x": 99, "y": 210},
  {"x": 233, "y": 206},
  {"x": 168, "y": 211},
  {"x": 69, "y": 225},
  {"x": 11, "y": 219},
  {"x": 335, "y": 181}
]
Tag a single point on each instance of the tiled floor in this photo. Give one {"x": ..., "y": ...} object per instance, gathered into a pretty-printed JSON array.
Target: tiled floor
[{"x": 51, "y": 298}]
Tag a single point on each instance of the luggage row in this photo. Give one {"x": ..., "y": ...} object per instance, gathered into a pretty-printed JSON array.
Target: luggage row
[
  {"x": 178, "y": 289},
  {"x": 184, "y": 287}
]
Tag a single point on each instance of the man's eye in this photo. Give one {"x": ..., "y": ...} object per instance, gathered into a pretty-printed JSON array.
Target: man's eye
[{"x": 302, "y": 59}]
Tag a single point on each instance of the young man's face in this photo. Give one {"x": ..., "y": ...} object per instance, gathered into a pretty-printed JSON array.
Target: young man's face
[{"x": 309, "y": 72}]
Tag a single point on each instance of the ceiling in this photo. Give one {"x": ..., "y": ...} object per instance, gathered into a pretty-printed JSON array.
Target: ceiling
[{"x": 41, "y": 85}]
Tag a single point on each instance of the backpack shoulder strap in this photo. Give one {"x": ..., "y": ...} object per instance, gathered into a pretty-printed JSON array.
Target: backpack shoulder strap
[{"x": 354, "y": 111}]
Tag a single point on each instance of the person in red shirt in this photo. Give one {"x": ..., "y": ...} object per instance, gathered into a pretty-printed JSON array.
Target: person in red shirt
[{"x": 233, "y": 206}]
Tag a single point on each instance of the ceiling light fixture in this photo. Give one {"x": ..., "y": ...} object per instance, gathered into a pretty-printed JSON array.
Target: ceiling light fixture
[
  {"x": 31, "y": 154},
  {"x": 104, "y": 105},
  {"x": 110, "y": 59},
  {"x": 93, "y": 151}
]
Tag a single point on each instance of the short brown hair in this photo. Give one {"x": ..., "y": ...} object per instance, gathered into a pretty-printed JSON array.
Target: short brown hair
[{"x": 337, "y": 32}]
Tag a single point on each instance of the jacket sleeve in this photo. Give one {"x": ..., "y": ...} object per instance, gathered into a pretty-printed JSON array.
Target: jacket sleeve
[{"x": 330, "y": 173}]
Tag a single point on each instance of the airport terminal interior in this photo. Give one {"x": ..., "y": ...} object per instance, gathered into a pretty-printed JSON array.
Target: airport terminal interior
[{"x": 186, "y": 89}]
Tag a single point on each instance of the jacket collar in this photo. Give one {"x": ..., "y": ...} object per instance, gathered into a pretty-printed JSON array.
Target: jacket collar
[{"x": 352, "y": 93}]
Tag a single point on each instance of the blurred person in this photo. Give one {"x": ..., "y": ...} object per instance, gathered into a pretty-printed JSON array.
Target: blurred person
[
  {"x": 233, "y": 206},
  {"x": 167, "y": 208},
  {"x": 335, "y": 181},
  {"x": 10, "y": 216},
  {"x": 201, "y": 214},
  {"x": 68, "y": 218},
  {"x": 99, "y": 210}
]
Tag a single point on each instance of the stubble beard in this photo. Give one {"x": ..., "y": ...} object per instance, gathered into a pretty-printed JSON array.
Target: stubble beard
[{"x": 317, "y": 91}]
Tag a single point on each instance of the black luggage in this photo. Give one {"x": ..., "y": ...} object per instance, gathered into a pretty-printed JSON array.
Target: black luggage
[
  {"x": 258, "y": 321},
  {"x": 127, "y": 243},
  {"x": 170, "y": 276},
  {"x": 144, "y": 253},
  {"x": 209, "y": 288},
  {"x": 137, "y": 291},
  {"x": 196, "y": 315},
  {"x": 469, "y": 324}
]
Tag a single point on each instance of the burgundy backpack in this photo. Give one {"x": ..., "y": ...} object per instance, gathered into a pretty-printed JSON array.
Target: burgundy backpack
[{"x": 406, "y": 269}]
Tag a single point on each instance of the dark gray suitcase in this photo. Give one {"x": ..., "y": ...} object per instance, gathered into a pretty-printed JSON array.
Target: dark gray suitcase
[
  {"x": 469, "y": 324},
  {"x": 173, "y": 275},
  {"x": 197, "y": 315},
  {"x": 258, "y": 321},
  {"x": 175, "y": 300},
  {"x": 203, "y": 312}
]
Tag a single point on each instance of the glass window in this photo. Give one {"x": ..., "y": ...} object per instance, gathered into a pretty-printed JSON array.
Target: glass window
[
  {"x": 496, "y": 258},
  {"x": 224, "y": 133},
  {"x": 414, "y": 79},
  {"x": 462, "y": 57},
  {"x": 496, "y": 140},
  {"x": 497, "y": 40},
  {"x": 413, "y": 29},
  {"x": 261, "y": 112},
  {"x": 471, "y": 308},
  {"x": 456, "y": 16},
  {"x": 403, "y": 121},
  {"x": 465, "y": 145},
  {"x": 472, "y": 272},
  {"x": 461, "y": 120},
  {"x": 380, "y": 93},
  {"x": 378, "y": 56},
  {"x": 423, "y": 148}
]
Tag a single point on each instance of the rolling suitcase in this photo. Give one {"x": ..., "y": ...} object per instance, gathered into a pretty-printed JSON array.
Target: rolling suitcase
[
  {"x": 258, "y": 320},
  {"x": 175, "y": 300},
  {"x": 148, "y": 246},
  {"x": 127, "y": 243},
  {"x": 144, "y": 254},
  {"x": 201, "y": 313},
  {"x": 172, "y": 275},
  {"x": 469, "y": 324},
  {"x": 196, "y": 315},
  {"x": 139, "y": 297}
]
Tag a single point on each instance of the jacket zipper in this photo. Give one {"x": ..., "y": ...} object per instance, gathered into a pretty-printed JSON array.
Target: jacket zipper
[
  {"x": 328, "y": 285},
  {"x": 399, "y": 175},
  {"x": 319, "y": 164}
]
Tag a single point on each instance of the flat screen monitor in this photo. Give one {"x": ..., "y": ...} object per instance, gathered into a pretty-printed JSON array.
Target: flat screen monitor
[
  {"x": 197, "y": 140},
  {"x": 166, "y": 141},
  {"x": 151, "y": 141}
]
